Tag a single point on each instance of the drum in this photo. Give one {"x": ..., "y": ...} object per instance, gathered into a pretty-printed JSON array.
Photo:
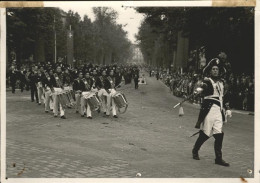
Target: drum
[
  {"x": 120, "y": 100},
  {"x": 93, "y": 102},
  {"x": 67, "y": 98},
  {"x": 70, "y": 97},
  {"x": 62, "y": 99}
]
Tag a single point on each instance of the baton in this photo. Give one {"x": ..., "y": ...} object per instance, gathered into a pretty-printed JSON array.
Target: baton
[
  {"x": 182, "y": 101},
  {"x": 195, "y": 134},
  {"x": 194, "y": 93}
]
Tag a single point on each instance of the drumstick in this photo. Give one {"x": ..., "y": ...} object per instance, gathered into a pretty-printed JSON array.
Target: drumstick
[
  {"x": 177, "y": 105},
  {"x": 118, "y": 85}
]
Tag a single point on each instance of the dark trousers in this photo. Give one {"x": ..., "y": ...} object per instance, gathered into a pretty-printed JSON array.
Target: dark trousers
[
  {"x": 34, "y": 92},
  {"x": 27, "y": 86},
  {"x": 13, "y": 86},
  {"x": 22, "y": 85},
  {"x": 136, "y": 85}
]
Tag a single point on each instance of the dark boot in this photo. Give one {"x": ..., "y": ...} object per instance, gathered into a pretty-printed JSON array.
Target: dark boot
[
  {"x": 201, "y": 139},
  {"x": 218, "y": 149}
]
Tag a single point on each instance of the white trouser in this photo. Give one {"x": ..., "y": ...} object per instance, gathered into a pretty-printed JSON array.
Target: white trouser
[
  {"x": 84, "y": 105},
  {"x": 57, "y": 103},
  {"x": 48, "y": 101},
  {"x": 77, "y": 97},
  {"x": 68, "y": 88},
  {"x": 110, "y": 100},
  {"x": 213, "y": 121},
  {"x": 40, "y": 94},
  {"x": 102, "y": 94}
]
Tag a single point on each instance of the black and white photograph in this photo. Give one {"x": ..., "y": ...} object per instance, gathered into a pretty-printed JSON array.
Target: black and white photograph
[{"x": 130, "y": 92}]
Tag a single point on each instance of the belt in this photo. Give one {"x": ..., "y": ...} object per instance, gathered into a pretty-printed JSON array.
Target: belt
[{"x": 213, "y": 101}]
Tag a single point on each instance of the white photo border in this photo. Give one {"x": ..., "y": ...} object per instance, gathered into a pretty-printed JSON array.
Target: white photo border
[{"x": 128, "y": 180}]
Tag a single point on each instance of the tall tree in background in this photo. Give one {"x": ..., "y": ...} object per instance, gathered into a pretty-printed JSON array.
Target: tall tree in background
[
  {"x": 218, "y": 29},
  {"x": 111, "y": 39},
  {"x": 30, "y": 31}
]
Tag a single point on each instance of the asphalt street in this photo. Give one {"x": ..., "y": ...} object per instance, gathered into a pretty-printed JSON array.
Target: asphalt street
[{"x": 150, "y": 140}]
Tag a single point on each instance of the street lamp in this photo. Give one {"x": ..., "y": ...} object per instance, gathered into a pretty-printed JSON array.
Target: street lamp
[{"x": 55, "y": 42}]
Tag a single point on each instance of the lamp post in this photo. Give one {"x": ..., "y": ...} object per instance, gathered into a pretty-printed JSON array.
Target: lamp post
[{"x": 55, "y": 42}]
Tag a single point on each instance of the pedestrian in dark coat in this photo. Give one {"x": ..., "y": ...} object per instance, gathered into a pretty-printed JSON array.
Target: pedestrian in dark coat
[
  {"x": 136, "y": 80},
  {"x": 13, "y": 74},
  {"x": 33, "y": 82}
]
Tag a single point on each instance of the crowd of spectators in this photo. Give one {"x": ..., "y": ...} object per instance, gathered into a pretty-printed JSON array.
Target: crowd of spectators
[{"x": 239, "y": 88}]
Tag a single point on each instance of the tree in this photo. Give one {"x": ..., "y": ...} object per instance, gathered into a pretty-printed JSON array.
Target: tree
[
  {"x": 218, "y": 29},
  {"x": 30, "y": 31}
]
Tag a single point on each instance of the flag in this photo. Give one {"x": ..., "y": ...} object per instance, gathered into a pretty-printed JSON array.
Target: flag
[{"x": 70, "y": 48}]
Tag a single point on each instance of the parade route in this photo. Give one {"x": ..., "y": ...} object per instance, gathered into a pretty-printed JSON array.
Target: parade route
[{"x": 150, "y": 139}]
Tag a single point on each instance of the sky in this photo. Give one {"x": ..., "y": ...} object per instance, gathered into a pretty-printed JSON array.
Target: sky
[{"x": 126, "y": 16}]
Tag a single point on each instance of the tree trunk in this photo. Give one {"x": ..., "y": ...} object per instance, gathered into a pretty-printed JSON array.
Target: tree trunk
[{"x": 39, "y": 51}]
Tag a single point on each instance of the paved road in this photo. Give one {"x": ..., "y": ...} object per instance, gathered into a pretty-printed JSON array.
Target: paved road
[{"x": 150, "y": 138}]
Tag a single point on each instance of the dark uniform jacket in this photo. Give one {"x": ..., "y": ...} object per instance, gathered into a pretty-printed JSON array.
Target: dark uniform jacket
[
  {"x": 109, "y": 83},
  {"x": 21, "y": 75},
  {"x": 13, "y": 76},
  {"x": 58, "y": 82},
  {"x": 78, "y": 84},
  {"x": 50, "y": 82},
  {"x": 207, "y": 104},
  {"x": 88, "y": 82},
  {"x": 95, "y": 78},
  {"x": 33, "y": 78},
  {"x": 40, "y": 78},
  {"x": 100, "y": 82},
  {"x": 66, "y": 79},
  {"x": 118, "y": 78}
]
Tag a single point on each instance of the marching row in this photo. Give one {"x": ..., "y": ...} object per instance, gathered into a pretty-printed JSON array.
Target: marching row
[{"x": 86, "y": 93}]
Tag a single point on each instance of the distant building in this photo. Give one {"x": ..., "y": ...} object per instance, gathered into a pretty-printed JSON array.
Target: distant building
[{"x": 137, "y": 54}]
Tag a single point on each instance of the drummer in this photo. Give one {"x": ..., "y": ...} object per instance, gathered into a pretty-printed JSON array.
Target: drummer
[
  {"x": 78, "y": 87},
  {"x": 88, "y": 82},
  {"x": 48, "y": 85},
  {"x": 67, "y": 82},
  {"x": 109, "y": 85},
  {"x": 102, "y": 93},
  {"x": 58, "y": 88}
]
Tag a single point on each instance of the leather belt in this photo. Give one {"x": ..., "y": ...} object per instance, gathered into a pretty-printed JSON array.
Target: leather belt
[{"x": 214, "y": 102}]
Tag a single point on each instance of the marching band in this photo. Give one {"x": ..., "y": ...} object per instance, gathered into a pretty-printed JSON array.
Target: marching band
[{"x": 86, "y": 90}]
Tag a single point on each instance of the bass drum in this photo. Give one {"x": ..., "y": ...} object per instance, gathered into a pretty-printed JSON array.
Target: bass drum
[
  {"x": 93, "y": 102},
  {"x": 120, "y": 101}
]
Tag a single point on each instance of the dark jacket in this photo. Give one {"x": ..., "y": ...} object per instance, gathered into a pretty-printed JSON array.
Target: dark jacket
[
  {"x": 118, "y": 78},
  {"x": 51, "y": 82},
  {"x": 100, "y": 81},
  {"x": 78, "y": 84},
  {"x": 33, "y": 77},
  {"x": 88, "y": 84},
  {"x": 67, "y": 79},
  {"x": 109, "y": 83},
  {"x": 13, "y": 76}
]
